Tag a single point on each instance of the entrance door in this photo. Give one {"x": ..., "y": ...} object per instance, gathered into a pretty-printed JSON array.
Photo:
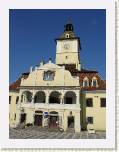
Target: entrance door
[
  {"x": 71, "y": 122},
  {"x": 38, "y": 120},
  {"x": 23, "y": 118},
  {"x": 53, "y": 122}
]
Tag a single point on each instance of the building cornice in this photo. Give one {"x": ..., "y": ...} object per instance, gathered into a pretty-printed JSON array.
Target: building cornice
[{"x": 50, "y": 87}]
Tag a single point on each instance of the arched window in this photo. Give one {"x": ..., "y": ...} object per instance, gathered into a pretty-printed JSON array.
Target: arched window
[
  {"x": 26, "y": 96},
  {"x": 85, "y": 82},
  {"x": 94, "y": 82},
  {"x": 39, "y": 97},
  {"x": 70, "y": 97},
  {"x": 67, "y": 35},
  {"x": 55, "y": 97}
]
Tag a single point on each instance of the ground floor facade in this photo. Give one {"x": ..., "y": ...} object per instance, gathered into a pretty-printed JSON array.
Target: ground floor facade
[
  {"x": 50, "y": 117},
  {"x": 66, "y": 109}
]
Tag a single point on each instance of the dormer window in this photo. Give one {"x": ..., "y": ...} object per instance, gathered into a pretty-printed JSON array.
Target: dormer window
[
  {"x": 49, "y": 75},
  {"x": 85, "y": 82},
  {"x": 94, "y": 82}
]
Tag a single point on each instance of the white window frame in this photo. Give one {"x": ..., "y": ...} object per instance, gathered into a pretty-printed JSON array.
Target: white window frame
[
  {"x": 86, "y": 79},
  {"x": 94, "y": 79}
]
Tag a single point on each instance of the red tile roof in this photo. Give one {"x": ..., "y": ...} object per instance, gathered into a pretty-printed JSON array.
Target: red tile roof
[
  {"x": 89, "y": 74},
  {"x": 15, "y": 85}
]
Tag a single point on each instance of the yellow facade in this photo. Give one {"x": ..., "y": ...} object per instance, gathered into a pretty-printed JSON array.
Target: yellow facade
[
  {"x": 62, "y": 77},
  {"x": 96, "y": 111},
  {"x": 13, "y": 107},
  {"x": 52, "y": 95}
]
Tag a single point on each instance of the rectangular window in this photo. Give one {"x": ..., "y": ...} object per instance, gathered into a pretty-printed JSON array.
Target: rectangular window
[
  {"x": 103, "y": 102},
  {"x": 89, "y": 102},
  {"x": 10, "y": 97},
  {"x": 85, "y": 83},
  {"x": 48, "y": 76},
  {"x": 17, "y": 99},
  {"x": 15, "y": 116},
  {"x": 89, "y": 120},
  {"x": 94, "y": 83}
]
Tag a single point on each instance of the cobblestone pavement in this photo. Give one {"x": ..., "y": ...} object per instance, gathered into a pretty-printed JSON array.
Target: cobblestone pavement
[{"x": 45, "y": 133}]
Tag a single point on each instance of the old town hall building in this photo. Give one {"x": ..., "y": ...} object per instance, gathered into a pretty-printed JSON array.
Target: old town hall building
[{"x": 60, "y": 94}]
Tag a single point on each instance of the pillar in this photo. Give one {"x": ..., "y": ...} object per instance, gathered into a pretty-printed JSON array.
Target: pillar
[
  {"x": 18, "y": 117},
  {"x": 78, "y": 98},
  {"x": 77, "y": 122},
  {"x": 61, "y": 99},
  {"x": 64, "y": 120},
  {"x": 47, "y": 98},
  {"x": 33, "y": 95}
]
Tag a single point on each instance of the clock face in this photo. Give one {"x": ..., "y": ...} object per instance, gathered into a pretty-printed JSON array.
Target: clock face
[{"x": 66, "y": 46}]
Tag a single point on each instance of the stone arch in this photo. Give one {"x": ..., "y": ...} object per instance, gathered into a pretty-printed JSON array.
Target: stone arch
[
  {"x": 40, "y": 97},
  {"x": 70, "y": 97},
  {"x": 26, "y": 96},
  {"x": 54, "y": 97},
  {"x": 55, "y": 113},
  {"x": 39, "y": 112}
]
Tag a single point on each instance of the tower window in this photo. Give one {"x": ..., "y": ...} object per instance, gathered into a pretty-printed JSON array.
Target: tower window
[
  {"x": 49, "y": 76},
  {"x": 67, "y": 35},
  {"x": 89, "y": 102},
  {"x": 103, "y": 102},
  {"x": 66, "y": 57}
]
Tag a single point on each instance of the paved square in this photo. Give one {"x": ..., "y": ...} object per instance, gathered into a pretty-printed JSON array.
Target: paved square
[{"x": 46, "y": 133}]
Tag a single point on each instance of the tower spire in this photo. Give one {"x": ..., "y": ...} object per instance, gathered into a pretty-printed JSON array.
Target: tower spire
[
  {"x": 69, "y": 21},
  {"x": 68, "y": 26}
]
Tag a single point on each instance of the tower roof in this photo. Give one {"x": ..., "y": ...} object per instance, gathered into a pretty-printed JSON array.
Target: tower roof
[
  {"x": 68, "y": 27},
  {"x": 68, "y": 31}
]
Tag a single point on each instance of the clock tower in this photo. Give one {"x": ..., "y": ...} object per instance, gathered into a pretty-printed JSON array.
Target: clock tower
[{"x": 68, "y": 47}]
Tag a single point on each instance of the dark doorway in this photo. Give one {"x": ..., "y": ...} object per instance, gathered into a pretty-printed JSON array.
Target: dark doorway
[
  {"x": 23, "y": 118},
  {"x": 38, "y": 120},
  {"x": 53, "y": 122},
  {"x": 71, "y": 122}
]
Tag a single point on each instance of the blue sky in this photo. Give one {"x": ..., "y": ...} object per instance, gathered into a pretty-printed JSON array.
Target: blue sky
[{"x": 32, "y": 34}]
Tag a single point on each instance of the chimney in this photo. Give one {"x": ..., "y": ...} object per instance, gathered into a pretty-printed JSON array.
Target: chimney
[
  {"x": 31, "y": 69},
  {"x": 42, "y": 62},
  {"x": 50, "y": 60}
]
